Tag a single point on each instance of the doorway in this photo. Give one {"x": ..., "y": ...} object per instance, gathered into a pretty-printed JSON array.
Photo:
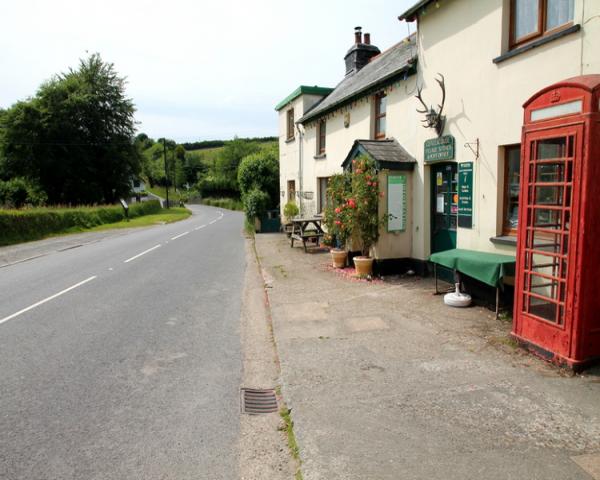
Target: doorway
[{"x": 444, "y": 206}]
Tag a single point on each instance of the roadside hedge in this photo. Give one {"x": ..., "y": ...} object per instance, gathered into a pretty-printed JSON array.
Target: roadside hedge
[{"x": 36, "y": 223}]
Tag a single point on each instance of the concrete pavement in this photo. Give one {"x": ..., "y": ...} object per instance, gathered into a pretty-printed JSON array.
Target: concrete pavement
[{"x": 385, "y": 382}]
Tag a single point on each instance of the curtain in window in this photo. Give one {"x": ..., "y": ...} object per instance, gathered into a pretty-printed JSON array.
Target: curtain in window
[
  {"x": 558, "y": 13},
  {"x": 526, "y": 17}
]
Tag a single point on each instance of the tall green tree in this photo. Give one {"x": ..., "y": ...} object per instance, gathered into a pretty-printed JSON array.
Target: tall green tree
[{"x": 76, "y": 137}]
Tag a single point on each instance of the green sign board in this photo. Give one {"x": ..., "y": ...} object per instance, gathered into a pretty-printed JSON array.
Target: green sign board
[
  {"x": 396, "y": 203},
  {"x": 439, "y": 149},
  {"x": 465, "y": 194}
]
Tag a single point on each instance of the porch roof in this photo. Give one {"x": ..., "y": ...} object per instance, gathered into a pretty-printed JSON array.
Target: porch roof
[{"x": 387, "y": 154}]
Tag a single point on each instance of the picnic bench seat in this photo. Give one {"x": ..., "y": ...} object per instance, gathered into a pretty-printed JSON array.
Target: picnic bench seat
[{"x": 306, "y": 230}]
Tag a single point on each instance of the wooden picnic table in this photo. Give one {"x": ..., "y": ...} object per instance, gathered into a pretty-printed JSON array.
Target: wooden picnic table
[{"x": 307, "y": 229}]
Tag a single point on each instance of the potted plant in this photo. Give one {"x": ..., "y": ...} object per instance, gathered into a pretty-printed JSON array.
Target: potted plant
[
  {"x": 363, "y": 205},
  {"x": 337, "y": 218},
  {"x": 290, "y": 210}
]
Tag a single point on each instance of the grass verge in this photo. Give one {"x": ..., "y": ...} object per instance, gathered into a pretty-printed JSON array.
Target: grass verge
[{"x": 165, "y": 216}]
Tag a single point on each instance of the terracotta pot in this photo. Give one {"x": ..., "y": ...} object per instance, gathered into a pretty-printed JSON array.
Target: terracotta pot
[
  {"x": 339, "y": 257},
  {"x": 363, "y": 265}
]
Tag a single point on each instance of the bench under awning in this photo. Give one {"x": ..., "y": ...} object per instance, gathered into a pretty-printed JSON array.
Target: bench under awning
[{"x": 489, "y": 268}]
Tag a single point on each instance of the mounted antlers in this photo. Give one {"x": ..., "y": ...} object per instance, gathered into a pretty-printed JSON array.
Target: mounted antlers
[{"x": 433, "y": 119}]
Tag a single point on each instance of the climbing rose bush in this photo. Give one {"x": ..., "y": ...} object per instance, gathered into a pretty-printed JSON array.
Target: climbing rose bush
[
  {"x": 337, "y": 214},
  {"x": 363, "y": 203}
]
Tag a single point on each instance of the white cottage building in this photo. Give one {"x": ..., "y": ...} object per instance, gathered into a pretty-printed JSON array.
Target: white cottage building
[{"x": 492, "y": 55}]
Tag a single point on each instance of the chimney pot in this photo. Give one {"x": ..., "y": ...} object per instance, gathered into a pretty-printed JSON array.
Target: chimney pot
[
  {"x": 367, "y": 39},
  {"x": 357, "y": 35}
]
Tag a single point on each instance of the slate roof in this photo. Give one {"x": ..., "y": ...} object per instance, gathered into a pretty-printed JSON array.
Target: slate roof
[
  {"x": 382, "y": 69},
  {"x": 388, "y": 154}
]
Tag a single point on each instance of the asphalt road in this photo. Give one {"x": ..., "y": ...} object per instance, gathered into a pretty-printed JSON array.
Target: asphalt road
[{"x": 121, "y": 359}]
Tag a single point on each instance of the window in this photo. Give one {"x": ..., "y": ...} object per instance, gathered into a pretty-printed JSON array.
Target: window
[
  {"x": 380, "y": 111},
  {"x": 322, "y": 184},
  {"x": 291, "y": 184},
  {"x": 321, "y": 137},
  {"x": 512, "y": 187},
  {"x": 530, "y": 19},
  {"x": 290, "y": 124}
]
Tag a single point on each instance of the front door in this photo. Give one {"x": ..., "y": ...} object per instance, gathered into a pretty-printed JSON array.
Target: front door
[{"x": 444, "y": 206}]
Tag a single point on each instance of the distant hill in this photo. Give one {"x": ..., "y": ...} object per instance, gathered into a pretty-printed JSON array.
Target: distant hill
[{"x": 210, "y": 144}]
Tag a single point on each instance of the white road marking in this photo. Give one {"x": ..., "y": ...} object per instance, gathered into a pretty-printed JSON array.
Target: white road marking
[
  {"x": 210, "y": 223},
  {"x": 179, "y": 236},
  {"x": 52, "y": 297},
  {"x": 201, "y": 226},
  {"x": 110, "y": 269},
  {"x": 143, "y": 253}
]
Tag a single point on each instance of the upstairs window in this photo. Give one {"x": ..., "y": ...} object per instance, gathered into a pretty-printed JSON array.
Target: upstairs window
[
  {"x": 380, "y": 111},
  {"x": 290, "y": 124},
  {"x": 321, "y": 137},
  {"x": 530, "y": 19}
]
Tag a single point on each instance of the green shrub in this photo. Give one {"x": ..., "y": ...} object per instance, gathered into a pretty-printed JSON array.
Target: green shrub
[
  {"x": 228, "y": 203},
  {"x": 290, "y": 210},
  {"x": 19, "y": 191},
  {"x": 33, "y": 224},
  {"x": 255, "y": 204}
]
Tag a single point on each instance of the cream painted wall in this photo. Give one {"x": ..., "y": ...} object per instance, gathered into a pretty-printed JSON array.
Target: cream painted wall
[
  {"x": 484, "y": 101},
  {"x": 289, "y": 151}
]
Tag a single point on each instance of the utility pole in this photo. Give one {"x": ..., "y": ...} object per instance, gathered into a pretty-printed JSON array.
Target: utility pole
[{"x": 166, "y": 169}]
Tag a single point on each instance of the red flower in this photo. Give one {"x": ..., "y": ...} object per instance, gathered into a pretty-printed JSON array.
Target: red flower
[
  {"x": 338, "y": 210},
  {"x": 337, "y": 222}
]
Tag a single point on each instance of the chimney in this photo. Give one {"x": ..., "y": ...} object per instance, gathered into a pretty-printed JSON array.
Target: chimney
[
  {"x": 360, "y": 53},
  {"x": 357, "y": 35}
]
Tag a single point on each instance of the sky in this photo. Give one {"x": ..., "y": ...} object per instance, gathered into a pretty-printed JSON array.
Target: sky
[{"x": 196, "y": 70}]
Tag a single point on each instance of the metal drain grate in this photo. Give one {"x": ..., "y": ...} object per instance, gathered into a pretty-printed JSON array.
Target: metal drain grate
[{"x": 256, "y": 401}]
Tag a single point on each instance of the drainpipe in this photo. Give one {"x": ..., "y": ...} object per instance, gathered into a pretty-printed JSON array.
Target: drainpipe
[{"x": 300, "y": 191}]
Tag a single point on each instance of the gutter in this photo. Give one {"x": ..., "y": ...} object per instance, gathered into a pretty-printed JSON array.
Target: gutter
[{"x": 411, "y": 14}]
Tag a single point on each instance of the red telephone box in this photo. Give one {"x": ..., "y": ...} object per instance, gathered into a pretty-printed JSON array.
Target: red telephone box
[{"x": 557, "y": 291}]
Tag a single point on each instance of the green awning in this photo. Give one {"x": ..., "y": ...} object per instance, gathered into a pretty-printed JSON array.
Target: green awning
[{"x": 486, "y": 267}]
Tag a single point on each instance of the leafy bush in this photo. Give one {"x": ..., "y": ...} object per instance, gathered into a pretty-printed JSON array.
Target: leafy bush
[
  {"x": 258, "y": 178},
  {"x": 363, "y": 203},
  {"x": 255, "y": 204},
  {"x": 18, "y": 192},
  {"x": 228, "y": 203},
  {"x": 337, "y": 212},
  {"x": 290, "y": 210},
  {"x": 32, "y": 224}
]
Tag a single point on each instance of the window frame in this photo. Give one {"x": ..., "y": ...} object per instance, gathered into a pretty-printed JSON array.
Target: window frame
[
  {"x": 377, "y": 134},
  {"x": 541, "y": 26},
  {"x": 291, "y": 191},
  {"x": 506, "y": 229},
  {"x": 291, "y": 134},
  {"x": 321, "y": 137},
  {"x": 321, "y": 207}
]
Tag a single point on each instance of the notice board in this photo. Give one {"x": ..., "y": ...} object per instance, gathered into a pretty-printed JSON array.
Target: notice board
[
  {"x": 396, "y": 203},
  {"x": 465, "y": 194}
]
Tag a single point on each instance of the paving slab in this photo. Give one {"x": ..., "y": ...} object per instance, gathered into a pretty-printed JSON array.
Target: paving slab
[{"x": 386, "y": 382}]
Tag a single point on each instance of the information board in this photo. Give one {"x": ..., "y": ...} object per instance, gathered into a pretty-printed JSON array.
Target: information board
[
  {"x": 396, "y": 203},
  {"x": 465, "y": 195},
  {"x": 439, "y": 149}
]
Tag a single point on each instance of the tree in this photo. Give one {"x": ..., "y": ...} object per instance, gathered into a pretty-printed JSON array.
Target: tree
[
  {"x": 258, "y": 178},
  {"x": 75, "y": 137}
]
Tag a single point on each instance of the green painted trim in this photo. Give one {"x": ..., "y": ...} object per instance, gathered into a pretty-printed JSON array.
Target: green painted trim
[{"x": 303, "y": 90}]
